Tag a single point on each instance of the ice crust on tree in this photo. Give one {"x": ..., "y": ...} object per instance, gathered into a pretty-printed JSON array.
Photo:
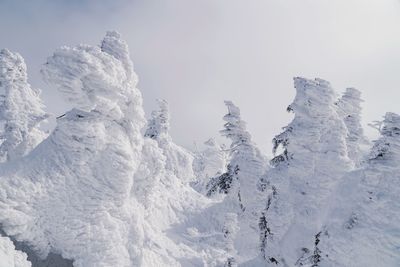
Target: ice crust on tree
[{"x": 21, "y": 110}]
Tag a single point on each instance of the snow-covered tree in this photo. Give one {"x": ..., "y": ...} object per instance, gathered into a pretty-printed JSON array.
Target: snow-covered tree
[
  {"x": 21, "y": 110},
  {"x": 208, "y": 163},
  {"x": 96, "y": 191},
  {"x": 387, "y": 147},
  {"x": 158, "y": 125},
  {"x": 313, "y": 160},
  {"x": 349, "y": 109},
  {"x": 178, "y": 159},
  {"x": 240, "y": 182},
  {"x": 245, "y": 162},
  {"x": 363, "y": 227}
]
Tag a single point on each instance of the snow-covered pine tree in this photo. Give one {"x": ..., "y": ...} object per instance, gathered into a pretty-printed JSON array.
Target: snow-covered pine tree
[
  {"x": 208, "y": 163},
  {"x": 363, "y": 227},
  {"x": 158, "y": 125},
  {"x": 387, "y": 147},
  {"x": 349, "y": 109},
  {"x": 178, "y": 159},
  {"x": 240, "y": 182},
  {"x": 245, "y": 162},
  {"x": 313, "y": 160},
  {"x": 21, "y": 110}
]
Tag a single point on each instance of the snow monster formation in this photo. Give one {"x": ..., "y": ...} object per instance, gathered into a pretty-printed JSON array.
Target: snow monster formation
[
  {"x": 94, "y": 191},
  {"x": 105, "y": 188},
  {"x": 73, "y": 194},
  {"x": 313, "y": 160}
]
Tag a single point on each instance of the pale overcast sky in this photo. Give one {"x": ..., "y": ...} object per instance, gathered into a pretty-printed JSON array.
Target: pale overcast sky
[{"x": 195, "y": 54}]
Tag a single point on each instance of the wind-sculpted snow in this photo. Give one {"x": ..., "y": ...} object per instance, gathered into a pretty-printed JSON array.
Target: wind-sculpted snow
[
  {"x": 21, "y": 110},
  {"x": 9, "y": 257},
  {"x": 98, "y": 78},
  {"x": 313, "y": 160},
  {"x": 95, "y": 191},
  {"x": 72, "y": 194}
]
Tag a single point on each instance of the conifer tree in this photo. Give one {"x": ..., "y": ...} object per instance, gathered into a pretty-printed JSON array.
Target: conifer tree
[{"x": 158, "y": 125}]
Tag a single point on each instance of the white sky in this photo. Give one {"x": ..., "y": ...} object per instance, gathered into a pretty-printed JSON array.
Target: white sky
[{"x": 195, "y": 54}]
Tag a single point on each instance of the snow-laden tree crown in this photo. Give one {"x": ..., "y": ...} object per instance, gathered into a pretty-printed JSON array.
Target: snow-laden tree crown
[{"x": 106, "y": 188}]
